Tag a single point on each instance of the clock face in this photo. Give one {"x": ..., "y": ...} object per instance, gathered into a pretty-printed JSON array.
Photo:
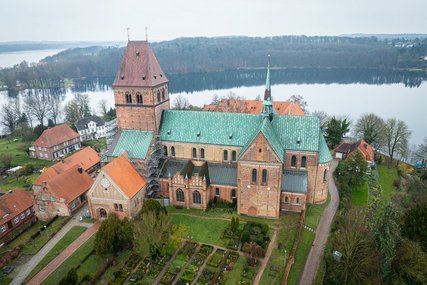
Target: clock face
[{"x": 105, "y": 183}]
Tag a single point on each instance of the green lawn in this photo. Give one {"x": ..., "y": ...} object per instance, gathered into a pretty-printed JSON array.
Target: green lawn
[
  {"x": 301, "y": 254},
  {"x": 90, "y": 266},
  {"x": 62, "y": 244},
  {"x": 73, "y": 261},
  {"x": 387, "y": 176},
  {"x": 359, "y": 195},
  {"x": 97, "y": 145},
  {"x": 20, "y": 157},
  {"x": 285, "y": 241},
  {"x": 203, "y": 230},
  {"x": 233, "y": 277},
  {"x": 4, "y": 279},
  {"x": 314, "y": 213}
]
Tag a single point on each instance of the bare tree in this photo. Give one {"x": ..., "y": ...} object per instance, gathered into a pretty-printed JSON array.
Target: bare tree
[
  {"x": 396, "y": 137},
  {"x": 180, "y": 103},
  {"x": 77, "y": 108},
  {"x": 10, "y": 113},
  {"x": 323, "y": 117},
  {"x": 83, "y": 102},
  {"x": 36, "y": 106},
  {"x": 370, "y": 127},
  {"x": 301, "y": 102},
  {"x": 102, "y": 106},
  {"x": 54, "y": 105},
  {"x": 215, "y": 99}
]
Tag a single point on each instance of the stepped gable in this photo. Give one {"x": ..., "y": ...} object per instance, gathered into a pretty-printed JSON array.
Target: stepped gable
[{"x": 139, "y": 67}]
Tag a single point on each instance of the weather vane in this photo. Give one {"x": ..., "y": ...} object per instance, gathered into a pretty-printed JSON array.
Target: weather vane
[
  {"x": 128, "y": 33},
  {"x": 146, "y": 34}
]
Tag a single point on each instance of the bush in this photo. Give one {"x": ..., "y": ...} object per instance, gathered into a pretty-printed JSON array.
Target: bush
[
  {"x": 246, "y": 237},
  {"x": 70, "y": 279}
]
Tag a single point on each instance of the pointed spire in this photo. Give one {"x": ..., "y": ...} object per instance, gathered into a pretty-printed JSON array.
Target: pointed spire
[{"x": 267, "y": 93}]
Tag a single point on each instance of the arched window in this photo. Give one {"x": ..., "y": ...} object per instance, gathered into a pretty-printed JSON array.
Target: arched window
[
  {"x": 233, "y": 156},
  {"x": 180, "y": 195},
  {"x": 286, "y": 199},
  {"x": 325, "y": 175},
  {"x": 138, "y": 98},
  {"x": 264, "y": 176},
  {"x": 158, "y": 95},
  {"x": 294, "y": 161},
  {"x": 165, "y": 150},
  {"x": 233, "y": 193},
  {"x": 128, "y": 98},
  {"x": 254, "y": 175},
  {"x": 217, "y": 192},
  {"x": 303, "y": 162},
  {"x": 163, "y": 94},
  {"x": 202, "y": 153},
  {"x": 197, "y": 199},
  {"x": 297, "y": 200},
  {"x": 194, "y": 152},
  {"x": 172, "y": 151},
  {"x": 225, "y": 155}
]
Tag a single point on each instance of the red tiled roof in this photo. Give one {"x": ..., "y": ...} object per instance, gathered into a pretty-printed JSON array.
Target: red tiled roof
[
  {"x": 124, "y": 174},
  {"x": 254, "y": 107},
  {"x": 86, "y": 158},
  {"x": 56, "y": 135},
  {"x": 349, "y": 148},
  {"x": 70, "y": 184},
  {"x": 139, "y": 67},
  {"x": 13, "y": 203}
]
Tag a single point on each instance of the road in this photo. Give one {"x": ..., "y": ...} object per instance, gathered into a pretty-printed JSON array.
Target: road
[{"x": 317, "y": 250}]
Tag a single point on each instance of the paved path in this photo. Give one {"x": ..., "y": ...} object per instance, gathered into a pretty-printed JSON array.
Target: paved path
[
  {"x": 264, "y": 261},
  {"x": 26, "y": 268},
  {"x": 317, "y": 250},
  {"x": 57, "y": 261}
]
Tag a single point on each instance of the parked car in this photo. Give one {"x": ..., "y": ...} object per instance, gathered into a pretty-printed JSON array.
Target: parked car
[{"x": 7, "y": 269}]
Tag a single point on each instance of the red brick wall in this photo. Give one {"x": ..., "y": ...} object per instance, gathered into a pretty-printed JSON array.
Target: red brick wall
[{"x": 292, "y": 204}]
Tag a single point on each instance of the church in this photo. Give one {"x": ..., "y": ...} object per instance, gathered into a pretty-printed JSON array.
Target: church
[{"x": 266, "y": 163}]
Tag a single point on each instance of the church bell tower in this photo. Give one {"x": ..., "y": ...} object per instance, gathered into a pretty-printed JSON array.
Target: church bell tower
[{"x": 140, "y": 89}]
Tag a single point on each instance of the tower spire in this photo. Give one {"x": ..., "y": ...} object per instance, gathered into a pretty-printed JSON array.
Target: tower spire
[{"x": 267, "y": 93}]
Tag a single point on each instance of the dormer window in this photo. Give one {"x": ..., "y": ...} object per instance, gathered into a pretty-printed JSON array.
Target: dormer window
[
  {"x": 198, "y": 134},
  {"x": 298, "y": 140},
  {"x": 122, "y": 77},
  {"x": 137, "y": 53},
  {"x": 143, "y": 77}
]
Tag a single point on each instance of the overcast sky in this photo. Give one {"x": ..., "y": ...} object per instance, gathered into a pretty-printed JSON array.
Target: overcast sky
[{"x": 107, "y": 20}]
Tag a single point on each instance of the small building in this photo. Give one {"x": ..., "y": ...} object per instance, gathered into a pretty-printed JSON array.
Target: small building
[
  {"x": 347, "y": 149},
  {"x": 61, "y": 189},
  {"x": 16, "y": 214},
  {"x": 89, "y": 128},
  {"x": 55, "y": 143},
  {"x": 119, "y": 188}
]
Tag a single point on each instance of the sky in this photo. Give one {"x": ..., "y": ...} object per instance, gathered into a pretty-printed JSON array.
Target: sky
[{"x": 107, "y": 20}]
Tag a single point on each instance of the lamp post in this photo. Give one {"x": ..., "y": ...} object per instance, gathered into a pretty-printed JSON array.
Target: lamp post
[{"x": 45, "y": 229}]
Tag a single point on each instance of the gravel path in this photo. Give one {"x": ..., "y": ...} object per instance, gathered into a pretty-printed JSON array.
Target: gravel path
[
  {"x": 317, "y": 250},
  {"x": 25, "y": 269},
  {"x": 264, "y": 261}
]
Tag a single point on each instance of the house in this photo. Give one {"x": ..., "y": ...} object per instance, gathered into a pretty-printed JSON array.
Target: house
[
  {"x": 89, "y": 128},
  {"x": 119, "y": 188},
  {"x": 283, "y": 108},
  {"x": 347, "y": 149},
  {"x": 55, "y": 142},
  {"x": 265, "y": 162},
  {"x": 61, "y": 189},
  {"x": 16, "y": 212}
]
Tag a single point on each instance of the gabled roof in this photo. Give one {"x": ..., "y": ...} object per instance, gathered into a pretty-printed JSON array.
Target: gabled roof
[
  {"x": 135, "y": 142},
  {"x": 139, "y": 67},
  {"x": 124, "y": 174},
  {"x": 85, "y": 158},
  {"x": 56, "y": 135},
  {"x": 82, "y": 124},
  {"x": 13, "y": 203},
  {"x": 70, "y": 184},
  {"x": 283, "y": 108},
  {"x": 361, "y": 145}
]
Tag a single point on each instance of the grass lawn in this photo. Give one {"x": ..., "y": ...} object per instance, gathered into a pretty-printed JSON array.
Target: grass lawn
[
  {"x": 203, "y": 230},
  {"x": 90, "y": 266},
  {"x": 97, "y": 145},
  {"x": 301, "y": 254},
  {"x": 285, "y": 241},
  {"x": 62, "y": 244},
  {"x": 314, "y": 213},
  {"x": 386, "y": 178},
  {"x": 73, "y": 261},
  {"x": 4, "y": 279},
  {"x": 233, "y": 277},
  {"x": 359, "y": 195},
  {"x": 20, "y": 157},
  {"x": 33, "y": 247}
]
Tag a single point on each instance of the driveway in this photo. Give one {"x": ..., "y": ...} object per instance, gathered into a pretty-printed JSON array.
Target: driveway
[{"x": 317, "y": 250}]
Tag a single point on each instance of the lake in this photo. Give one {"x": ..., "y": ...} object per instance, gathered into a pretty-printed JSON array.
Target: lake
[
  {"x": 353, "y": 100},
  {"x": 9, "y": 59}
]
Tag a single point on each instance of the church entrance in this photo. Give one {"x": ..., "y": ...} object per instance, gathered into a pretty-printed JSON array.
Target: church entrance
[
  {"x": 252, "y": 211},
  {"x": 102, "y": 213}
]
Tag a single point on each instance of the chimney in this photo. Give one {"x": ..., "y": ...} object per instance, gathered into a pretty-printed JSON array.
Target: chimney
[
  {"x": 44, "y": 184},
  {"x": 80, "y": 169}
]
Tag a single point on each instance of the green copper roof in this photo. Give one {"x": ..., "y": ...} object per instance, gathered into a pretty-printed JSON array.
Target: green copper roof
[
  {"x": 267, "y": 130},
  {"x": 218, "y": 128},
  {"x": 136, "y": 143},
  {"x": 324, "y": 153}
]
